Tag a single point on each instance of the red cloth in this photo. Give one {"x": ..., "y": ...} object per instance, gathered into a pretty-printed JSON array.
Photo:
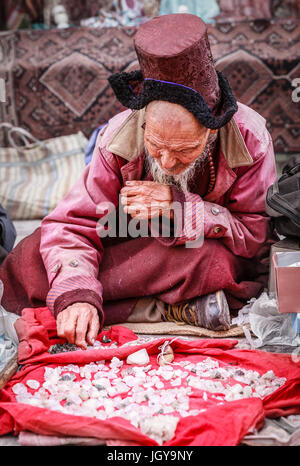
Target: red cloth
[{"x": 224, "y": 424}]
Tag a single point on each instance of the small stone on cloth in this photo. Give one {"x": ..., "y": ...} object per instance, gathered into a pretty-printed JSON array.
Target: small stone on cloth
[
  {"x": 139, "y": 358},
  {"x": 33, "y": 384},
  {"x": 166, "y": 356},
  {"x": 160, "y": 428}
]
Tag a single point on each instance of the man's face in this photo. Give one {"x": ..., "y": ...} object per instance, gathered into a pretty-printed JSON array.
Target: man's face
[{"x": 173, "y": 137}]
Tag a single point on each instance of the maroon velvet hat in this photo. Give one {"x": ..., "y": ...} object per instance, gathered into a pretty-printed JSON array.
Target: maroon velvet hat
[{"x": 177, "y": 65}]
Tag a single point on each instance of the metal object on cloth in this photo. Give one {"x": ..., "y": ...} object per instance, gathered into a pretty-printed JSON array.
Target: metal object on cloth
[{"x": 9, "y": 370}]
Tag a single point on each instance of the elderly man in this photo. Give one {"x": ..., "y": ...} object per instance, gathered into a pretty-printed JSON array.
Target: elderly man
[{"x": 185, "y": 155}]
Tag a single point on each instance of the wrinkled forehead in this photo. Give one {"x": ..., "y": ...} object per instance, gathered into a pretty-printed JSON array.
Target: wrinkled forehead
[
  {"x": 163, "y": 116},
  {"x": 163, "y": 110}
]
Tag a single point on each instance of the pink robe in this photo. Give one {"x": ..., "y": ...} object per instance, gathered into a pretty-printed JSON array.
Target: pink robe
[{"x": 75, "y": 264}]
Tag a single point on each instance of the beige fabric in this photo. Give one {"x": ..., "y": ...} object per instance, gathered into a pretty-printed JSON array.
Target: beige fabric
[
  {"x": 233, "y": 145},
  {"x": 146, "y": 319},
  {"x": 128, "y": 140},
  {"x": 170, "y": 328},
  {"x": 147, "y": 310},
  {"x": 36, "y": 176}
]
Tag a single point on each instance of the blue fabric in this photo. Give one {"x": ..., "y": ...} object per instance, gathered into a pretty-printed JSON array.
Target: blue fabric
[
  {"x": 91, "y": 144},
  {"x": 296, "y": 322},
  {"x": 7, "y": 231},
  {"x": 206, "y": 9}
]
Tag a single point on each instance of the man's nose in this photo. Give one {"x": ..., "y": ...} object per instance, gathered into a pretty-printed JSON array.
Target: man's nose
[{"x": 167, "y": 160}]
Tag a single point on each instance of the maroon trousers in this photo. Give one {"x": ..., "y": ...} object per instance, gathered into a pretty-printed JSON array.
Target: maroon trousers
[{"x": 138, "y": 268}]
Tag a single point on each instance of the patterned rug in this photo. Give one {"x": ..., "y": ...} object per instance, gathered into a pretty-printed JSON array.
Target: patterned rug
[
  {"x": 261, "y": 59},
  {"x": 56, "y": 80}
]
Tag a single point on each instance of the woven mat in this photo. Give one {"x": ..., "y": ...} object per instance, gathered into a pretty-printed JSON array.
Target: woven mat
[{"x": 170, "y": 328}]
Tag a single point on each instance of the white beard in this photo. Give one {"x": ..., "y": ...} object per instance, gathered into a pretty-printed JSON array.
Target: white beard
[{"x": 182, "y": 180}]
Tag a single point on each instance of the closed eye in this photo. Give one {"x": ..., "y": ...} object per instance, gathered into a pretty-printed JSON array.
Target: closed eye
[
  {"x": 153, "y": 145},
  {"x": 183, "y": 151}
]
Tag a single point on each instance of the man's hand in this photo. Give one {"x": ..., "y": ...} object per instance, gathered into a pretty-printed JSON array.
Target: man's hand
[
  {"x": 146, "y": 199},
  {"x": 79, "y": 324}
]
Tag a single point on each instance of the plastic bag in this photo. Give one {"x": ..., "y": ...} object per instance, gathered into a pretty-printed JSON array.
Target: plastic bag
[
  {"x": 8, "y": 335},
  {"x": 269, "y": 326}
]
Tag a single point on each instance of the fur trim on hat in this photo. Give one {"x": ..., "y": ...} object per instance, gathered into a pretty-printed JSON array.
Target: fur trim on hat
[{"x": 177, "y": 94}]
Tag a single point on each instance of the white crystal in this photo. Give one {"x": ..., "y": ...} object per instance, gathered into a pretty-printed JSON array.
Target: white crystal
[
  {"x": 176, "y": 382},
  {"x": 52, "y": 372},
  {"x": 269, "y": 375},
  {"x": 84, "y": 395},
  {"x": 206, "y": 384},
  {"x": 52, "y": 404},
  {"x": 196, "y": 412},
  {"x": 73, "y": 398},
  {"x": 86, "y": 383},
  {"x": 121, "y": 387},
  {"x": 42, "y": 393},
  {"x": 103, "y": 368},
  {"x": 109, "y": 409},
  {"x": 160, "y": 428},
  {"x": 251, "y": 376},
  {"x": 231, "y": 396},
  {"x": 112, "y": 391},
  {"x": 112, "y": 374},
  {"x": 190, "y": 366},
  {"x": 24, "y": 398},
  {"x": 116, "y": 363},
  {"x": 85, "y": 373},
  {"x": 34, "y": 384},
  {"x": 167, "y": 375},
  {"x": 91, "y": 403},
  {"x": 67, "y": 377},
  {"x": 139, "y": 358},
  {"x": 247, "y": 391},
  {"x": 93, "y": 367},
  {"x": 101, "y": 381},
  {"x": 101, "y": 414},
  {"x": 159, "y": 385},
  {"x": 237, "y": 388},
  {"x": 72, "y": 368},
  {"x": 131, "y": 381},
  {"x": 19, "y": 389},
  {"x": 139, "y": 397}
]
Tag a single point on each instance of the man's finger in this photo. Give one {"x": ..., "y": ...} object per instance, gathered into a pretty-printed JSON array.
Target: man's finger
[
  {"x": 135, "y": 209},
  {"x": 81, "y": 330},
  {"x": 158, "y": 193},
  {"x": 67, "y": 326},
  {"x": 139, "y": 182},
  {"x": 130, "y": 199},
  {"x": 135, "y": 200},
  {"x": 93, "y": 329},
  {"x": 59, "y": 324},
  {"x": 133, "y": 191}
]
